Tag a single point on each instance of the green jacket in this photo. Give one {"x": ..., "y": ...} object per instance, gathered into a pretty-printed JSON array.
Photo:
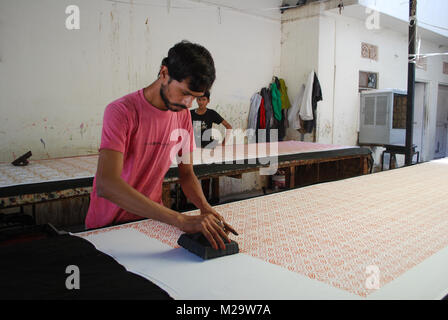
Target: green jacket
[{"x": 276, "y": 102}]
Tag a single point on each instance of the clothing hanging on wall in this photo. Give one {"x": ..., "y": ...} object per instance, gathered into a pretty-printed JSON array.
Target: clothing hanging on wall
[
  {"x": 276, "y": 101},
  {"x": 302, "y": 114},
  {"x": 286, "y": 104},
  {"x": 255, "y": 102},
  {"x": 262, "y": 117},
  {"x": 283, "y": 126},
  {"x": 268, "y": 110},
  {"x": 274, "y": 122},
  {"x": 276, "y": 107},
  {"x": 316, "y": 96},
  {"x": 306, "y": 106},
  {"x": 277, "y": 82},
  {"x": 294, "y": 121}
]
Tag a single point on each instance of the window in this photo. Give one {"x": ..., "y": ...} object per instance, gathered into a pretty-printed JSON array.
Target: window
[
  {"x": 369, "y": 51},
  {"x": 368, "y": 80}
]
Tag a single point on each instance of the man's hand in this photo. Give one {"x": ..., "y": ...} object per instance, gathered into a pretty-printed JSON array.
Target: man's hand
[
  {"x": 209, "y": 222},
  {"x": 210, "y": 227},
  {"x": 227, "y": 227}
]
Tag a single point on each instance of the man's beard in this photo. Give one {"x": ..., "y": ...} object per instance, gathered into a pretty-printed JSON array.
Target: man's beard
[{"x": 167, "y": 102}]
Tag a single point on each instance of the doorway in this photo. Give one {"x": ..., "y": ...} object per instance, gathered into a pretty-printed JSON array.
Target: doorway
[{"x": 442, "y": 123}]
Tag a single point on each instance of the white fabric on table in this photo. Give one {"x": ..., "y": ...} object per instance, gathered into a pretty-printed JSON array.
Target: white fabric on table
[
  {"x": 184, "y": 275},
  {"x": 314, "y": 242}
]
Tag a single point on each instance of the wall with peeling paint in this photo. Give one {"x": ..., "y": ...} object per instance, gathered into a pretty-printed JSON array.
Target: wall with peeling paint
[
  {"x": 298, "y": 57},
  {"x": 55, "y": 83}
]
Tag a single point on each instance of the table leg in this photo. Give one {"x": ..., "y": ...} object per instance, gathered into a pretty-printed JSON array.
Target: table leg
[
  {"x": 365, "y": 165},
  {"x": 393, "y": 161},
  {"x": 215, "y": 190},
  {"x": 33, "y": 212},
  {"x": 292, "y": 177},
  {"x": 166, "y": 198}
]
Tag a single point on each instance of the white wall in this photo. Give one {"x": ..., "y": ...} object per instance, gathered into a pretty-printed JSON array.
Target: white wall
[
  {"x": 56, "y": 83},
  {"x": 430, "y": 13},
  {"x": 299, "y": 47},
  {"x": 392, "y": 67},
  {"x": 333, "y": 47},
  {"x": 326, "y": 72}
]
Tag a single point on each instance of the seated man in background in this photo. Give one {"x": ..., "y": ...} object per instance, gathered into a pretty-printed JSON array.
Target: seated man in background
[{"x": 205, "y": 118}]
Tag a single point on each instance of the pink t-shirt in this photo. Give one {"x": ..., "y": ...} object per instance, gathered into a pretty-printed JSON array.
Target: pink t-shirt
[{"x": 147, "y": 137}]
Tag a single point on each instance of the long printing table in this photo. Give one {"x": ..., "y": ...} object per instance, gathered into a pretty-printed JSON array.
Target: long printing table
[
  {"x": 378, "y": 236},
  {"x": 46, "y": 180},
  {"x": 307, "y": 163}
]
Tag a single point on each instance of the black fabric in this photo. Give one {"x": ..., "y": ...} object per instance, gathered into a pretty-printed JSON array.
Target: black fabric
[
  {"x": 266, "y": 94},
  {"x": 36, "y": 270},
  {"x": 316, "y": 96},
  {"x": 258, "y": 124},
  {"x": 277, "y": 82},
  {"x": 283, "y": 126},
  {"x": 207, "y": 119}
]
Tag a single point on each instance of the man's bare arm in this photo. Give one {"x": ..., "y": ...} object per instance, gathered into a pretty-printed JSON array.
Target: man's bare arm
[
  {"x": 228, "y": 131},
  {"x": 193, "y": 191},
  {"x": 111, "y": 186},
  {"x": 191, "y": 186}
]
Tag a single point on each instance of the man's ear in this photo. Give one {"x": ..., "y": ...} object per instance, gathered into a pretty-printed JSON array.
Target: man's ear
[{"x": 163, "y": 73}]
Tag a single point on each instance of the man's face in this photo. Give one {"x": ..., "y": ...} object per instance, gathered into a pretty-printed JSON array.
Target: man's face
[
  {"x": 202, "y": 102},
  {"x": 177, "y": 96}
]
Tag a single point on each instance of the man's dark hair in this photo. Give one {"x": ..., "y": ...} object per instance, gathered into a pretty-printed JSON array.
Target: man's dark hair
[
  {"x": 207, "y": 94},
  {"x": 191, "y": 61}
]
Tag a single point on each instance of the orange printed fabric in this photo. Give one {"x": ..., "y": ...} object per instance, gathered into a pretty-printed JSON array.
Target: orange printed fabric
[{"x": 332, "y": 232}]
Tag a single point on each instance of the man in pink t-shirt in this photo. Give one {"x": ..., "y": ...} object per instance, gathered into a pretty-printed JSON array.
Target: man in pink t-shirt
[{"x": 142, "y": 134}]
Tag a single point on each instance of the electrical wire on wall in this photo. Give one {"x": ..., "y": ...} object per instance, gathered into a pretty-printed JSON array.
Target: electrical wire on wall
[{"x": 414, "y": 58}]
